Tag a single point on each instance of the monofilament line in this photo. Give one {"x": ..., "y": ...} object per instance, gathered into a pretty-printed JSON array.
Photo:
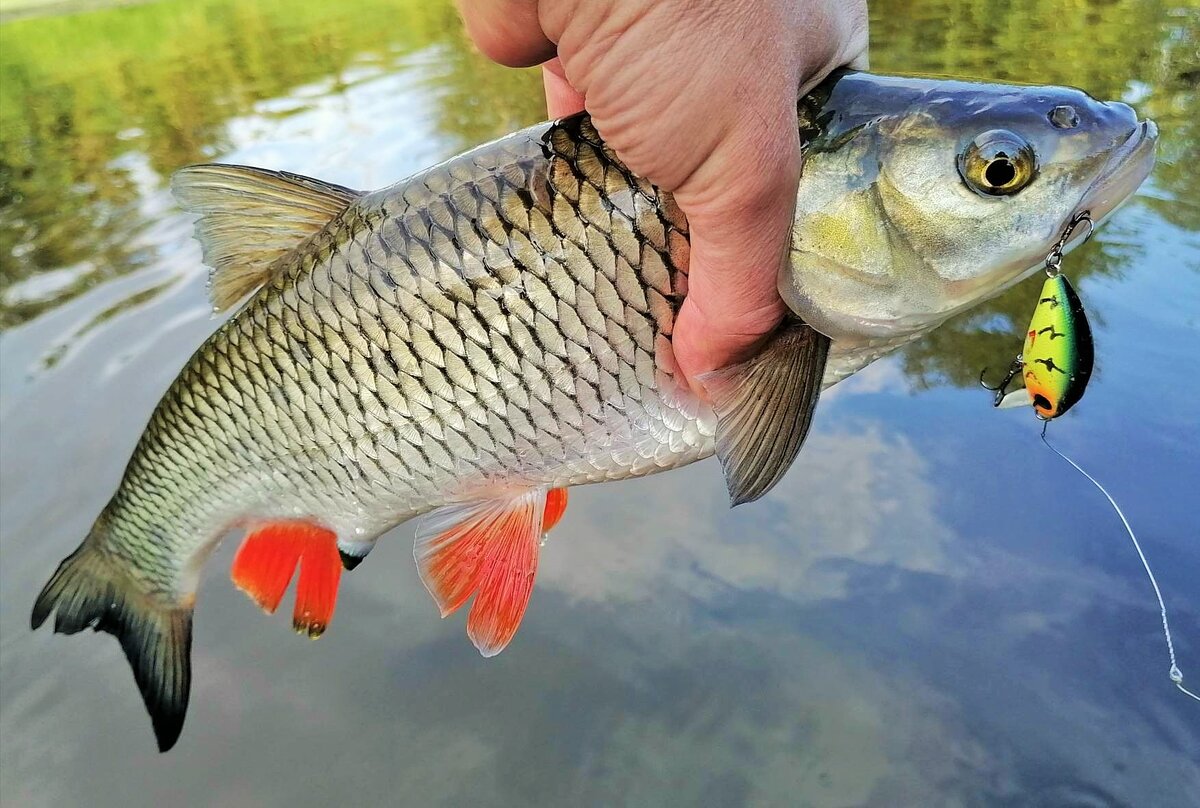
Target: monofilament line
[{"x": 1175, "y": 674}]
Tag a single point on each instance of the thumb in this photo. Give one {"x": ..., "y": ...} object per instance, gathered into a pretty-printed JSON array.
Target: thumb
[{"x": 561, "y": 98}]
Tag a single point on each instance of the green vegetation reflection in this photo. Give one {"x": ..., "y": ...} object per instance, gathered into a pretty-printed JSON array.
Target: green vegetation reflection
[
  {"x": 97, "y": 108},
  {"x": 94, "y": 104}
]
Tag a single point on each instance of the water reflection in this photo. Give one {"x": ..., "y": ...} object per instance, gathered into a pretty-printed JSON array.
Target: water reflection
[
  {"x": 73, "y": 108},
  {"x": 926, "y": 611},
  {"x": 850, "y": 493}
]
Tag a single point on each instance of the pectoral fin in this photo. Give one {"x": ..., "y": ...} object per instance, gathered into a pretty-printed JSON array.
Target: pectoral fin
[{"x": 764, "y": 409}]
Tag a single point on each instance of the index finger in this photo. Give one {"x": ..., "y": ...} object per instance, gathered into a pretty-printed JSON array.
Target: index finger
[
  {"x": 507, "y": 31},
  {"x": 740, "y": 223}
]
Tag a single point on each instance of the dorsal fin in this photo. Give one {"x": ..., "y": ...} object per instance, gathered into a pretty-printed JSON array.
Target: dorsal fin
[{"x": 249, "y": 217}]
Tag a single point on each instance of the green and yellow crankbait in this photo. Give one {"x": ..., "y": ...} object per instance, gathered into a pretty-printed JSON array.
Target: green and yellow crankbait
[
  {"x": 1058, "y": 353},
  {"x": 1056, "y": 360}
]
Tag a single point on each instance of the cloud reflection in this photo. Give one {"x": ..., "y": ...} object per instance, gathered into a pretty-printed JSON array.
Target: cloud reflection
[{"x": 853, "y": 497}]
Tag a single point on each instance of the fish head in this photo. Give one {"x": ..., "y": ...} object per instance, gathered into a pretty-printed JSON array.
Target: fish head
[{"x": 921, "y": 198}]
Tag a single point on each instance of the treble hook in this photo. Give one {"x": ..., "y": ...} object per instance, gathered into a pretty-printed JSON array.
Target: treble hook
[
  {"x": 1054, "y": 257},
  {"x": 1001, "y": 389}
]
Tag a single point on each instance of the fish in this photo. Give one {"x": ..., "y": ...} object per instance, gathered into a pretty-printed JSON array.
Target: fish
[{"x": 468, "y": 344}]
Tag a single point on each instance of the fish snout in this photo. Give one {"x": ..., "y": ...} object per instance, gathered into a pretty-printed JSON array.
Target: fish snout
[{"x": 1118, "y": 115}]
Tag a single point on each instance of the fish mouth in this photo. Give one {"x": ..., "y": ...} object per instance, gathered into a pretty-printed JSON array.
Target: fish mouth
[{"x": 1125, "y": 171}]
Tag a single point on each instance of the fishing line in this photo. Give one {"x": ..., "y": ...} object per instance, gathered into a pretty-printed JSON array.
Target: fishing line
[
  {"x": 1175, "y": 673},
  {"x": 1060, "y": 314}
]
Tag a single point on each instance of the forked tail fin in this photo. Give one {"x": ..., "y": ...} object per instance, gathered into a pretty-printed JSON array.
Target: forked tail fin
[{"x": 88, "y": 591}]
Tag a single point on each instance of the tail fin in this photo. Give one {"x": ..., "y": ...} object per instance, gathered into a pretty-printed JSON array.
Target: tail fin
[{"x": 87, "y": 591}]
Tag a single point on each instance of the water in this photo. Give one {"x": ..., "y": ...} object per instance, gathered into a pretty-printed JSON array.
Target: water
[{"x": 931, "y": 609}]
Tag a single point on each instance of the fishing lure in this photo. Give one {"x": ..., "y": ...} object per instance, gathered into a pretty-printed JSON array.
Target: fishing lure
[
  {"x": 1055, "y": 364},
  {"x": 1056, "y": 360}
]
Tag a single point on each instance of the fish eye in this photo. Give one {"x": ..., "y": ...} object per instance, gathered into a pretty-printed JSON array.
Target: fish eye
[{"x": 997, "y": 163}]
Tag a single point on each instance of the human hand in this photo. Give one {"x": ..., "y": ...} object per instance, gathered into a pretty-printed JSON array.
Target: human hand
[{"x": 699, "y": 98}]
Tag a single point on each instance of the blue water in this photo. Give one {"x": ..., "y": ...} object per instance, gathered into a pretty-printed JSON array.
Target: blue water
[{"x": 930, "y": 609}]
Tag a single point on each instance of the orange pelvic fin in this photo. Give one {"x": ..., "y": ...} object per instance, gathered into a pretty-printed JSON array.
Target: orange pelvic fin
[
  {"x": 488, "y": 549},
  {"x": 556, "y": 506},
  {"x": 268, "y": 557}
]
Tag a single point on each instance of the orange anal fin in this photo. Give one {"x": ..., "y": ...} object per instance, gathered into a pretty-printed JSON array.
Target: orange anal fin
[
  {"x": 489, "y": 549},
  {"x": 263, "y": 568},
  {"x": 316, "y": 591},
  {"x": 268, "y": 557}
]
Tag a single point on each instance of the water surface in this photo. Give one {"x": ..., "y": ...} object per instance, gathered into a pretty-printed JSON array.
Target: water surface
[{"x": 929, "y": 610}]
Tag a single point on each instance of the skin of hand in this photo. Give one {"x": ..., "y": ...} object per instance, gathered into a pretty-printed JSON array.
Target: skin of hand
[{"x": 699, "y": 97}]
